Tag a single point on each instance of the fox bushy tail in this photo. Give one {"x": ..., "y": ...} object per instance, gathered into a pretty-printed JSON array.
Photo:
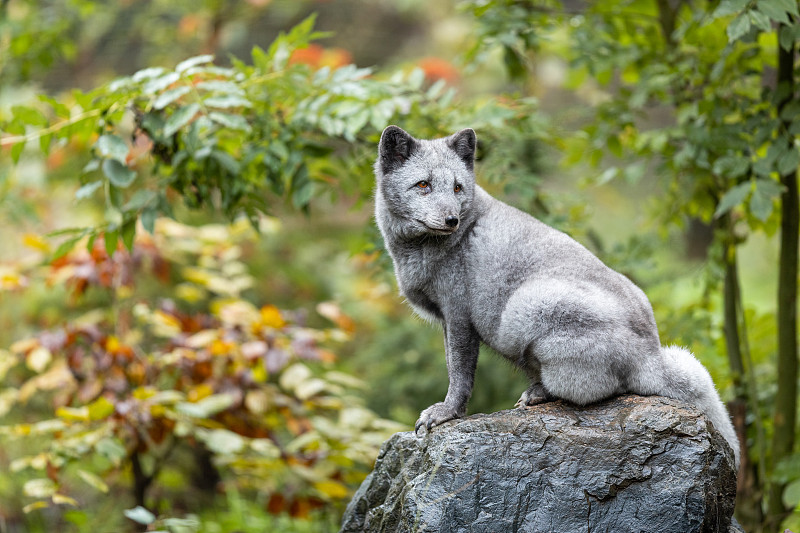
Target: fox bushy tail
[{"x": 685, "y": 378}]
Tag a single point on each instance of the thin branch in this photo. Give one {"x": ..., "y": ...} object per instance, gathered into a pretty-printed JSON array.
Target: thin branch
[{"x": 15, "y": 139}]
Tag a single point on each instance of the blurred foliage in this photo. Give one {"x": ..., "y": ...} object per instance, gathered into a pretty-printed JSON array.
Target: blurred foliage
[
  {"x": 177, "y": 375},
  {"x": 225, "y": 138}
]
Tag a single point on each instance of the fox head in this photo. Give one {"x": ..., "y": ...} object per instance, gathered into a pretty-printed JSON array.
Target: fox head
[{"x": 424, "y": 187}]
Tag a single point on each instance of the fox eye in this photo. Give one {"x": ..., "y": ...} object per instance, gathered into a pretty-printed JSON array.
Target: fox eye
[
  {"x": 423, "y": 185},
  {"x": 457, "y": 187}
]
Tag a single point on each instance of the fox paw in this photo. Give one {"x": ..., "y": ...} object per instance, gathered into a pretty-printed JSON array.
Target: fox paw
[
  {"x": 436, "y": 414},
  {"x": 535, "y": 395}
]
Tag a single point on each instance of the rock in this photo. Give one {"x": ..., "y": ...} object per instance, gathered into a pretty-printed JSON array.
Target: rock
[{"x": 629, "y": 464}]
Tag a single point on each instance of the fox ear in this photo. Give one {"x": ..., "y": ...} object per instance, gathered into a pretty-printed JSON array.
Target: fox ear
[
  {"x": 463, "y": 143},
  {"x": 394, "y": 149}
]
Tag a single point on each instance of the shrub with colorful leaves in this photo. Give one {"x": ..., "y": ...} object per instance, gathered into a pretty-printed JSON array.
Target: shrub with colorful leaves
[{"x": 172, "y": 373}]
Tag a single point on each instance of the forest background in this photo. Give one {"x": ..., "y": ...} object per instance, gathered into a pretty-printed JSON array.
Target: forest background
[{"x": 199, "y": 330}]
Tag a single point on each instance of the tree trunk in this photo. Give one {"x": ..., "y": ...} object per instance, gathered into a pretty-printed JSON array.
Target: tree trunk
[
  {"x": 749, "y": 491},
  {"x": 786, "y": 396}
]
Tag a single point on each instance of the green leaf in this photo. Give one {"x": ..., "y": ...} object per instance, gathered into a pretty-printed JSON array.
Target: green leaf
[
  {"x": 234, "y": 122},
  {"x": 157, "y": 85},
  {"x": 790, "y": 6},
  {"x": 111, "y": 449},
  {"x": 148, "y": 218},
  {"x": 128, "y": 233},
  {"x": 147, "y": 74},
  {"x": 93, "y": 481},
  {"x": 788, "y": 161},
  {"x": 139, "y": 199},
  {"x": 738, "y": 28},
  {"x": 65, "y": 247},
  {"x": 732, "y": 198},
  {"x": 90, "y": 242},
  {"x": 112, "y": 147},
  {"x": 16, "y": 150},
  {"x": 208, "y": 406},
  {"x": 87, "y": 190},
  {"x": 729, "y": 7},
  {"x": 731, "y": 166},
  {"x": 193, "y": 62},
  {"x": 222, "y": 441},
  {"x": 227, "y": 101},
  {"x": 514, "y": 63},
  {"x": 181, "y": 117},
  {"x": 59, "y": 109},
  {"x": 773, "y": 10},
  {"x": 786, "y": 37},
  {"x": 226, "y": 161},
  {"x": 44, "y": 143},
  {"x": 760, "y": 21},
  {"x": 169, "y": 96},
  {"x": 220, "y": 86},
  {"x": 791, "y": 494},
  {"x": 140, "y": 515},
  {"x": 260, "y": 59},
  {"x": 770, "y": 187},
  {"x": 761, "y": 202},
  {"x": 416, "y": 79},
  {"x": 614, "y": 146},
  {"x": 111, "y": 238},
  {"x": 29, "y": 116},
  {"x": 607, "y": 175},
  {"x": 118, "y": 174}
]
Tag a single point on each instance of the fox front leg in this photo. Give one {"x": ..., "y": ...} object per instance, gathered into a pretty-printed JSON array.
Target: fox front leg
[{"x": 461, "y": 349}]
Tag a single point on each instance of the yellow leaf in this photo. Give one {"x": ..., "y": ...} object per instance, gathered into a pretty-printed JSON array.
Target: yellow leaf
[
  {"x": 196, "y": 275},
  {"x": 144, "y": 393},
  {"x": 331, "y": 489},
  {"x": 189, "y": 293},
  {"x": 76, "y": 414},
  {"x": 31, "y": 240},
  {"x": 11, "y": 279},
  {"x": 60, "y": 499},
  {"x": 100, "y": 408},
  {"x": 271, "y": 317},
  {"x": 259, "y": 373},
  {"x": 198, "y": 392},
  {"x": 165, "y": 325},
  {"x": 112, "y": 344},
  {"x": 34, "y": 506},
  {"x": 219, "y": 347}
]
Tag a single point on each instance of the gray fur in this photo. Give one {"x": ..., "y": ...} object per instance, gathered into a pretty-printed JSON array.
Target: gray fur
[{"x": 493, "y": 274}]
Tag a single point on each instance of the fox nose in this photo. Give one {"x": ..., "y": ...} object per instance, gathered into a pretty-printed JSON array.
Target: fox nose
[{"x": 451, "y": 221}]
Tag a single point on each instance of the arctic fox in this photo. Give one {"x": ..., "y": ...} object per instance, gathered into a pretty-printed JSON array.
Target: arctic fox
[{"x": 493, "y": 274}]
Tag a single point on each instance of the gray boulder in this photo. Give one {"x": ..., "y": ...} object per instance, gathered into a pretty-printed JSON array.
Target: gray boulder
[{"x": 629, "y": 464}]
